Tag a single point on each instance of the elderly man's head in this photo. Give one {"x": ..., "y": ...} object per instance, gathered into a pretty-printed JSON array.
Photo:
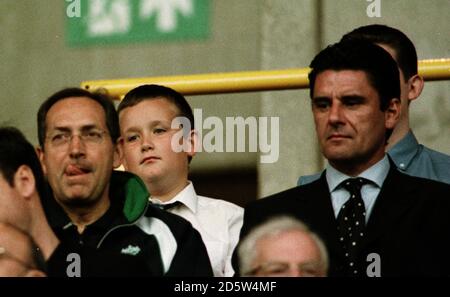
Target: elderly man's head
[{"x": 282, "y": 246}]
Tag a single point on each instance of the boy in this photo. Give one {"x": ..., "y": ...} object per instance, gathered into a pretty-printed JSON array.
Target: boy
[{"x": 147, "y": 116}]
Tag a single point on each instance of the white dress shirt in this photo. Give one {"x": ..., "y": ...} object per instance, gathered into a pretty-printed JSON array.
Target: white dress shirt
[
  {"x": 369, "y": 192},
  {"x": 218, "y": 221}
]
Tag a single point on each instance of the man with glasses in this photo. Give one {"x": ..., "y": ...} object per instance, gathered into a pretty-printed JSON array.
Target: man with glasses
[
  {"x": 22, "y": 185},
  {"x": 93, "y": 207}
]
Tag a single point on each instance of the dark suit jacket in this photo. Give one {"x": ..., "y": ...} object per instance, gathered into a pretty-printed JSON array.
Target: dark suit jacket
[{"x": 409, "y": 226}]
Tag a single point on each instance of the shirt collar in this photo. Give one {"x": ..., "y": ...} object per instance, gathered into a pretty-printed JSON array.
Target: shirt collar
[
  {"x": 187, "y": 197},
  {"x": 403, "y": 152},
  {"x": 377, "y": 174}
]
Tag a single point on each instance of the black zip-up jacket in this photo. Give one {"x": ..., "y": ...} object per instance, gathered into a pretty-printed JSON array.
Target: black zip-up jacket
[{"x": 133, "y": 237}]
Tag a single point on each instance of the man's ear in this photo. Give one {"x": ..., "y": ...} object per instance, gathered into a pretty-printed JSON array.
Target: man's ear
[
  {"x": 392, "y": 113},
  {"x": 118, "y": 153},
  {"x": 415, "y": 87},
  {"x": 41, "y": 156},
  {"x": 24, "y": 181}
]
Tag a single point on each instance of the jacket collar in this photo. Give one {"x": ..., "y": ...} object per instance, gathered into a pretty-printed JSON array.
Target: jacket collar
[
  {"x": 376, "y": 174},
  {"x": 127, "y": 186},
  {"x": 392, "y": 202},
  {"x": 125, "y": 189}
]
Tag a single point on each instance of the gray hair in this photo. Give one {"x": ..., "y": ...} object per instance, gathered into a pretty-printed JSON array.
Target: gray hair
[{"x": 274, "y": 226}]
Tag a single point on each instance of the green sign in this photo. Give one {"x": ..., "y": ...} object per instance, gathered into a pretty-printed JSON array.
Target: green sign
[{"x": 91, "y": 22}]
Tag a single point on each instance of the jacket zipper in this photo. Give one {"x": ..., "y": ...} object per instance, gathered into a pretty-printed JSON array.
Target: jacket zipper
[{"x": 123, "y": 225}]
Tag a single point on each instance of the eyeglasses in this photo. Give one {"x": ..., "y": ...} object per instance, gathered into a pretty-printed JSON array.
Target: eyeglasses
[
  {"x": 283, "y": 269},
  {"x": 59, "y": 139}
]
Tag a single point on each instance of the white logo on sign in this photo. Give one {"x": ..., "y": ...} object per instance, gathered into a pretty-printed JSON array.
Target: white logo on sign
[
  {"x": 107, "y": 17},
  {"x": 166, "y": 10}
]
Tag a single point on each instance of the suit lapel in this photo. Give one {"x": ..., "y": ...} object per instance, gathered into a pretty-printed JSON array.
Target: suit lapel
[
  {"x": 323, "y": 220},
  {"x": 390, "y": 207}
]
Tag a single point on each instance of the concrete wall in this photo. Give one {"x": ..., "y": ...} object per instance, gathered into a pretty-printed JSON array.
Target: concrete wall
[
  {"x": 245, "y": 35},
  {"x": 36, "y": 62},
  {"x": 290, "y": 39}
]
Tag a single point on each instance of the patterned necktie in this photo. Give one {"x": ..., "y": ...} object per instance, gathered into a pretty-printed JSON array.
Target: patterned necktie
[{"x": 352, "y": 222}]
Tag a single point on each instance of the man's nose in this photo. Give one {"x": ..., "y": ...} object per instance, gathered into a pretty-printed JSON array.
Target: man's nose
[
  {"x": 76, "y": 146},
  {"x": 335, "y": 113}
]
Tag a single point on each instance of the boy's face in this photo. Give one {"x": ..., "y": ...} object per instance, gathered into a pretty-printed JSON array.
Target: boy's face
[{"x": 146, "y": 140}]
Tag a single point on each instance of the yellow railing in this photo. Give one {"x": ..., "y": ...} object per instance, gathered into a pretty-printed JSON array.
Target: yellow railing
[{"x": 248, "y": 81}]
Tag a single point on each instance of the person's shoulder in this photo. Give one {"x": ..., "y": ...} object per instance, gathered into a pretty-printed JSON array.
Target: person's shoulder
[
  {"x": 440, "y": 161},
  {"x": 433, "y": 189},
  {"x": 306, "y": 179},
  {"x": 439, "y": 156},
  {"x": 418, "y": 180}
]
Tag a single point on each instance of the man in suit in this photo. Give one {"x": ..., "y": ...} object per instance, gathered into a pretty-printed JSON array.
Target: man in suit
[
  {"x": 406, "y": 152},
  {"x": 374, "y": 220}
]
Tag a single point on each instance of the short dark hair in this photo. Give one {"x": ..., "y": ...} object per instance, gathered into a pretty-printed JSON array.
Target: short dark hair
[
  {"x": 15, "y": 151},
  {"x": 405, "y": 51},
  {"x": 112, "y": 120},
  {"x": 379, "y": 66},
  {"x": 149, "y": 92}
]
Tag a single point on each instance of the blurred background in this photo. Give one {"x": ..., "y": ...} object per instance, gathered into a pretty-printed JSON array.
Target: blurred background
[{"x": 45, "y": 47}]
